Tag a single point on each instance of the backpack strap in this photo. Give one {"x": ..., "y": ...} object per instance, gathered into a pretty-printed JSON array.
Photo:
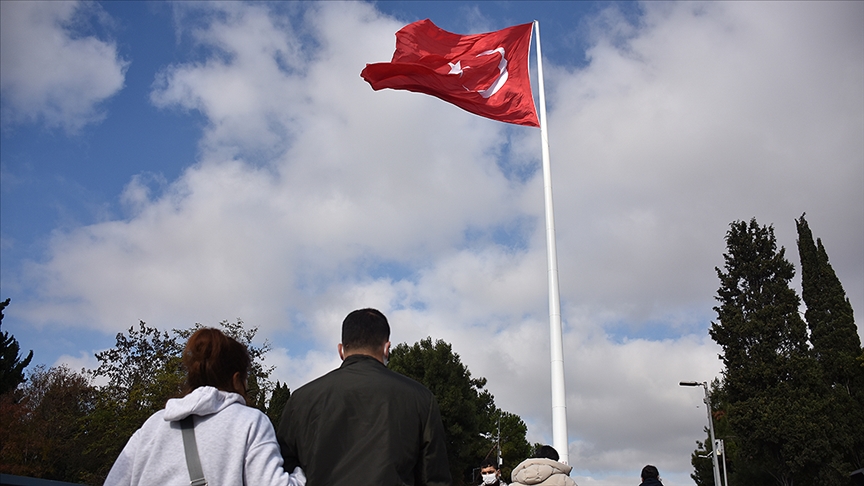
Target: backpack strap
[{"x": 193, "y": 461}]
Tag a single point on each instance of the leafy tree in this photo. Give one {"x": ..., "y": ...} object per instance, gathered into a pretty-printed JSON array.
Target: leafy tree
[
  {"x": 44, "y": 426},
  {"x": 11, "y": 364},
  {"x": 467, "y": 410},
  {"x": 143, "y": 371},
  {"x": 772, "y": 387},
  {"x": 836, "y": 346}
]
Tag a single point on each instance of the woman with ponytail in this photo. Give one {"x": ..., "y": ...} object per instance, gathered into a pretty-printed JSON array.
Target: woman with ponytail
[{"x": 235, "y": 444}]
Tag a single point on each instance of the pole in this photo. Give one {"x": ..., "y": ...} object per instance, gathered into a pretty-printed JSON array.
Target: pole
[
  {"x": 711, "y": 428},
  {"x": 499, "y": 443},
  {"x": 722, "y": 450},
  {"x": 559, "y": 403}
]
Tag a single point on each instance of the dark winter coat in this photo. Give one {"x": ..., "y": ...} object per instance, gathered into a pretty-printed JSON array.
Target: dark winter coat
[{"x": 362, "y": 424}]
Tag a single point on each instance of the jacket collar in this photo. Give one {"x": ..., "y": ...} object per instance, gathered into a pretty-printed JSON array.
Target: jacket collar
[{"x": 359, "y": 358}]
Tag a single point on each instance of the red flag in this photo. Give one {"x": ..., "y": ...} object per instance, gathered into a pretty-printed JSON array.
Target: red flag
[{"x": 485, "y": 74}]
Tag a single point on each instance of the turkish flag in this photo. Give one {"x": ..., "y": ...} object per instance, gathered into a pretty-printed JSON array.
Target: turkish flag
[{"x": 485, "y": 74}]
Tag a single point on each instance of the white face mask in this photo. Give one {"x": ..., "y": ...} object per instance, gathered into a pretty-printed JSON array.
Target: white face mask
[{"x": 489, "y": 478}]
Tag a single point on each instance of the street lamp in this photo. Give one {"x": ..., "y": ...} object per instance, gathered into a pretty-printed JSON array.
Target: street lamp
[
  {"x": 721, "y": 449},
  {"x": 707, "y": 401}
]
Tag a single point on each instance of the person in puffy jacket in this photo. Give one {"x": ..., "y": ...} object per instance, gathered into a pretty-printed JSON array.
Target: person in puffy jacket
[
  {"x": 542, "y": 469},
  {"x": 236, "y": 444}
]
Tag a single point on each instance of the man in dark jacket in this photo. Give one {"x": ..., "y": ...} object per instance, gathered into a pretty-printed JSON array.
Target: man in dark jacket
[
  {"x": 363, "y": 424},
  {"x": 650, "y": 476}
]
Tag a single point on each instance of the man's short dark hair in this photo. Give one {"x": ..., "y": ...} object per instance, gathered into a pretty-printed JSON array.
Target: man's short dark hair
[
  {"x": 489, "y": 462},
  {"x": 364, "y": 329},
  {"x": 546, "y": 452},
  {"x": 650, "y": 472}
]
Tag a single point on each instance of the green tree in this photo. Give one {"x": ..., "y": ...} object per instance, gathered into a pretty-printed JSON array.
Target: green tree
[
  {"x": 772, "y": 387},
  {"x": 277, "y": 402},
  {"x": 703, "y": 466},
  {"x": 829, "y": 315},
  {"x": 143, "y": 370},
  {"x": 45, "y": 432},
  {"x": 467, "y": 410},
  {"x": 515, "y": 448},
  {"x": 11, "y": 364},
  {"x": 836, "y": 346}
]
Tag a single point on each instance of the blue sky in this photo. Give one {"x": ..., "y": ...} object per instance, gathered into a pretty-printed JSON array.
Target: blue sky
[{"x": 196, "y": 162}]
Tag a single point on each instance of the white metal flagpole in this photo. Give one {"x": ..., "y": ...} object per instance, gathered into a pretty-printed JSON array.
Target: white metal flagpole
[{"x": 559, "y": 404}]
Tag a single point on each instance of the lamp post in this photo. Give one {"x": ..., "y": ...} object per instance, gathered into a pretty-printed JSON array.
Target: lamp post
[
  {"x": 707, "y": 401},
  {"x": 721, "y": 448}
]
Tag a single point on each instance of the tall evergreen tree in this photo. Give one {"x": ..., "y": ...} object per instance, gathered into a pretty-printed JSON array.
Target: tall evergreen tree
[
  {"x": 836, "y": 346},
  {"x": 11, "y": 364},
  {"x": 280, "y": 396},
  {"x": 772, "y": 387},
  {"x": 833, "y": 332}
]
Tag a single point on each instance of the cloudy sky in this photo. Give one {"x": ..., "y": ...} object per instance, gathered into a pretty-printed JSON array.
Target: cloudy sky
[{"x": 201, "y": 162}]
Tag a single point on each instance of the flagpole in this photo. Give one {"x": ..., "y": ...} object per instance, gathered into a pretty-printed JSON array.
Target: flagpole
[{"x": 559, "y": 404}]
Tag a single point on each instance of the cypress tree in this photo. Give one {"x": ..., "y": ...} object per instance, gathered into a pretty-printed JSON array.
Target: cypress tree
[
  {"x": 836, "y": 346},
  {"x": 833, "y": 332},
  {"x": 280, "y": 396}
]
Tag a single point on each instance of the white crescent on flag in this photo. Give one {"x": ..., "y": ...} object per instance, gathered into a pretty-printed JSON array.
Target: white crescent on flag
[{"x": 502, "y": 76}]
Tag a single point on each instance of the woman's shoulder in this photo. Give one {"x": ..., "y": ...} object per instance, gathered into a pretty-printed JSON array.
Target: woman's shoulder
[{"x": 238, "y": 413}]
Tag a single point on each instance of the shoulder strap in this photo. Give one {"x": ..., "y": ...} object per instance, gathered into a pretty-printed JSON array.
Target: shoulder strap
[{"x": 193, "y": 462}]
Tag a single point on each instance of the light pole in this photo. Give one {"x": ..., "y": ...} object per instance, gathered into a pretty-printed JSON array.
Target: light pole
[
  {"x": 707, "y": 401},
  {"x": 720, "y": 447}
]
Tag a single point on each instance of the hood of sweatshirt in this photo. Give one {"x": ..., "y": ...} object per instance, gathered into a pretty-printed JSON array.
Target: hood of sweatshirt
[
  {"x": 535, "y": 471},
  {"x": 204, "y": 400}
]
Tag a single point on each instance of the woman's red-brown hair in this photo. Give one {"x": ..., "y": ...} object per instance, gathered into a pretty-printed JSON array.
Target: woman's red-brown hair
[{"x": 211, "y": 359}]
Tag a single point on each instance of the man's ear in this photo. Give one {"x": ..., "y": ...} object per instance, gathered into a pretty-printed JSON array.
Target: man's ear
[
  {"x": 341, "y": 351},
  {"x": 387, "y": 349}
]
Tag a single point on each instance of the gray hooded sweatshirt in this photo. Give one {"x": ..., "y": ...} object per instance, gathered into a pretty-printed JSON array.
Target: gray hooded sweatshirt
[{"x": 236, "y": 444}]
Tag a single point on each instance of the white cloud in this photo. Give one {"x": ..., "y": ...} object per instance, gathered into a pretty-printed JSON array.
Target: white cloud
[
  {"x": 83, "y": 360},
  {"x": 705, "y": 116},
  {"x": 49, "y": 73},
  {"x": 315, "y": 195}
]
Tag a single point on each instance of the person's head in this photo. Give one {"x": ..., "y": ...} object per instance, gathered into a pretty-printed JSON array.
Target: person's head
[
  {"x": 213, "y": 359},
  {"x": 365, "y": 331},
  {"x": 489, "y": 471},
  {"x": 546, "y": 452},
  {"x": 650, "y": 472}
]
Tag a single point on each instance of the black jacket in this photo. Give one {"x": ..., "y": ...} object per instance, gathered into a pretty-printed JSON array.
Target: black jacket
[{"x": 363, "y": 424}]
